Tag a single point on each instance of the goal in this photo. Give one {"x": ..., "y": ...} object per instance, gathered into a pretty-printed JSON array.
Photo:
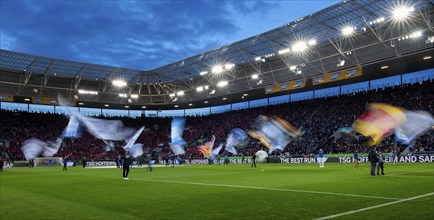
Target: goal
[{"x": 48, "y": 161}]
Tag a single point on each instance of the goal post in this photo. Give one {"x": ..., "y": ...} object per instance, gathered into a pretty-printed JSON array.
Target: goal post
[{"x": 48, "y": 161}]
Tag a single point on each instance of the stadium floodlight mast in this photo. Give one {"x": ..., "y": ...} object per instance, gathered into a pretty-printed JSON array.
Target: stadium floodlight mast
[
  {"x": 401, "y": 12},
  {"x": 119, "y": 83}
]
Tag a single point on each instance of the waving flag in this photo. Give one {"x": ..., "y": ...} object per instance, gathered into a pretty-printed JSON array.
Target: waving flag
[
  {"x": 177, "y": 129},
  {"x": 341, "y": 132},
  {"x": 136, "y": 150},
  {"x": 417, "y": 123},
  {"x": 207, "y": 147},
  {"x": 379, "y": 120},
  {"x": 73, "y": 129},
  {"x": 133, "y": 139},
  {"x": 52, "y": 148},
  {"x": 236, "y": 138},
  {"x": 275, "y": 133},
  {"x": 217, "y": 150},
  {"x": 34, "y": 147}
]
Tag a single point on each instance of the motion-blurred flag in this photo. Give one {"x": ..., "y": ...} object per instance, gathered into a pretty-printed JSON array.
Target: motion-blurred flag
[
  {"x": 32, "y": 148},
  {"x": 417, "y": 123},
  {"x": 236, "y": 138},
  {"x": 133, "y": 139},
  {"x": 341, "y": 132},
  {"x": 217, "y": 150},
  {"x": 136, "y": 150},
  {"x": 109, "y": 145},
  {"x": 275, "y": 133},
  {"x": 73, "y": 129},
  {"x": 99, "y": 128},
  {"x": 106, "y": 129},
  {"x": 379, "y": 120},
  {"x": 207, "y": 147},
  {"x": 177, "y": 129},
  {"x": 52, "y": 148}
]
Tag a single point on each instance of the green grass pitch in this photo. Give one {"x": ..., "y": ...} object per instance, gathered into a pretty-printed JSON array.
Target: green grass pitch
[{"x": 271, "y": 191}]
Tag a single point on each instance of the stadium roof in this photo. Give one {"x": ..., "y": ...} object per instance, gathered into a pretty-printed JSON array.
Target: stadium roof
[{"x": 348, "y": 34}]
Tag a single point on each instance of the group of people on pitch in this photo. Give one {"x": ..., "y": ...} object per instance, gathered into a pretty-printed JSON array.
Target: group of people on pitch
[{"x": 377, "y": 161}]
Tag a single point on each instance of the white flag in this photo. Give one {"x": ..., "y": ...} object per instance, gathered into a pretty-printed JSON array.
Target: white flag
[
  {"x": 52, "y": 149},
  {"x": 417, "y": 123},
  {"x": 217, "y": 150},
  {"x": 32, "y": 148}
]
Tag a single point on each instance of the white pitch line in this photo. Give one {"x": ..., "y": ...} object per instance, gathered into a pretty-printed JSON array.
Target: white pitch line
[
  {"x": 374, "y": 207},
  {"x": 266, "y": 188}
]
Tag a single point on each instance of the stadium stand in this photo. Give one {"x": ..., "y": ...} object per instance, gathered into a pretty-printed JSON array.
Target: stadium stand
[{"x": 319, "y": 117}]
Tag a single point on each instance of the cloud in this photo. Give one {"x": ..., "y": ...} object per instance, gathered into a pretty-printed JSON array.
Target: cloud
[{"x": 133, "y": 34}]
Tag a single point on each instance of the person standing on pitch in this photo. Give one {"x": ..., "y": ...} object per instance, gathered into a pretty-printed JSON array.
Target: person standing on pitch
[
  {"x": 65, "y": 164},
  {"x": 127, "y": 160},
  {"x": 372, "y": 157},
  {"x": 253, "y": 161},
  {"x": 380, "y": 164},
  {"x": 356, "y": 160},
  {"x": 321, "y": 158},
  {"x": 84, "y": 162}
]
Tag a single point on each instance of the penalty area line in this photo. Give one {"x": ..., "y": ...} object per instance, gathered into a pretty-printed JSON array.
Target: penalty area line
[
  {"x": 376, "y": 206},
  {"x": 266, "y": 188}
]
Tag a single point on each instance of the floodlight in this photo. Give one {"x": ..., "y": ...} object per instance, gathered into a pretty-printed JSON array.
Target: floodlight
[
  {"x": 225, "y": 98},
  {"x": 217, "y": 69},
  {"x": 190, "y": 104},
  {"x": 229, "y": 66},
  {"x": 206, "y": 87},
  {"x": 172, "y": 95},
  {"x": 348, "y": 30},
  {"x": 255, "y": 76},
  {"x": 123, "y": 95},
  {"x": 203, "y": 73},
  {"x": 134, "y": 96},
  {"x": 259, "y": 82},
  {"x": 143, "y": 106},
  {"x": 212, "y": 92},
  {"x": 199, "y": 89},
  {"x": 299, "y": 46},
  {"x": 180, "y": 93},
  {"x": 417, "y": 34},
  {"x": 222, "y": 83},
  {"x": 257, "y": 58},
  {"x": 293, "y": 68},
  {"x": 106, "y": 105},
  {"x": 401, "y": 12},
  {"x": 176, "y": 106},
  {"x": 312, "y": 42},
  {"x": 119, "y": 83},
  {"x": 283, "y": 51}
]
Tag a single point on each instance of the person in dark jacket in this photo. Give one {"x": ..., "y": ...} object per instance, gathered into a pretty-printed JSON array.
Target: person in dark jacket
[
  {"x": 253, "y": 160},
  {"x": 65, "y": 164},
  {"x": 380, "y": 165},
  {"x": 127, "y": 160},
  {"x": 373, "y": 159}
]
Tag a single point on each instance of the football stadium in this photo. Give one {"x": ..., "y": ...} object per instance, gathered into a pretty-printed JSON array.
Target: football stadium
[{"x": 325, "y": 116}]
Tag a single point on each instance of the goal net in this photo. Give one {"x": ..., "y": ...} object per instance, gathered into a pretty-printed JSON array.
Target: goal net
[{"x": 48, "y": 161}]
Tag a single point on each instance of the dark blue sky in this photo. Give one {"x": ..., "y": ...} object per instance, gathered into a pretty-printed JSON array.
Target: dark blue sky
[{"x": 139, "y": 34}]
